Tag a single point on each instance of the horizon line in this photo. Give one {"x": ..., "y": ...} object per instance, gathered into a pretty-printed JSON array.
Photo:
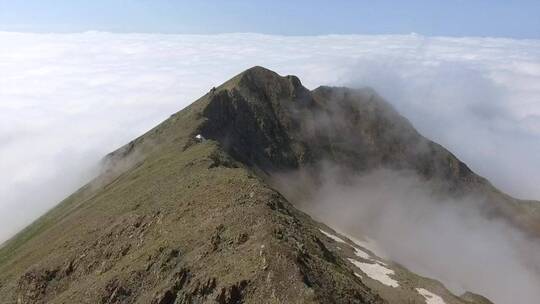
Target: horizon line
[{"x": 411, "y": 34}]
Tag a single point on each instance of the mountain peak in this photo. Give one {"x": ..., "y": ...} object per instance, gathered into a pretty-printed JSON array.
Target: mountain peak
[
  {"x": 262, "y": 74},
  {"x": 258, "y": 70},
  {"x": 185, "y": 213},
  {"x": 259, "y": 79},
  {"x": 274, "y": 123}
]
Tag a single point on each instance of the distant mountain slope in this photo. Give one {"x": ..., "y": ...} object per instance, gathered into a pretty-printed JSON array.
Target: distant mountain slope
[{"x": 186, "y": 214}]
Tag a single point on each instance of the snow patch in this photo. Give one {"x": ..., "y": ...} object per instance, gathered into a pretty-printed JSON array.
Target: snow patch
[
  {"x": 377, "y": 272},
  {"x": 360, "y": 246},
  {"x": 369, "y": 244},
  {"x": 199, "y": 137},
  {"x": 362, "y": 254},
  {"x": 332, "y": 236},
  {"x": 431, "y": 298}
]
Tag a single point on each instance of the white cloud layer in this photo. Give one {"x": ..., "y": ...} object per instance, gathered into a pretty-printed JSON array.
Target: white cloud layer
[
  {"x": 450, "y": 240},
  {"x": 68, "y": 99}
]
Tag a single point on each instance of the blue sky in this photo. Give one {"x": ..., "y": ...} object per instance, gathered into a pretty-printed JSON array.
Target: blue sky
[{"x": 495, "y": 18}]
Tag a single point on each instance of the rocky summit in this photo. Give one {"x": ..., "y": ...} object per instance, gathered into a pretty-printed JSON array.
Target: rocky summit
[{"x": 187, "y": 213}]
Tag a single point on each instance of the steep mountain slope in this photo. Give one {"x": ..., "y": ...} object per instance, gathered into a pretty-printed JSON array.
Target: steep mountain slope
[
  {"x": 186, "y": 212},
  {"x": 356, "y": 129},
  {"x": 184, "y": 223}
]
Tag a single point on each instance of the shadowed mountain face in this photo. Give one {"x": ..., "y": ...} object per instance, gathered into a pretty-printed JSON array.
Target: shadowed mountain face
[
  {"x": 186, "y": 213},
  {"x": 274, "y": 124}
]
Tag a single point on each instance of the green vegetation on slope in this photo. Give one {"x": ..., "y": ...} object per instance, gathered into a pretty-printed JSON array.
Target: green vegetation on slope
[{"x": 175, "y": 219}]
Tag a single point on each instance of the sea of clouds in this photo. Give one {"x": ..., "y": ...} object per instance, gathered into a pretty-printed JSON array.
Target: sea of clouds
[{"x": 68, "y": 99}]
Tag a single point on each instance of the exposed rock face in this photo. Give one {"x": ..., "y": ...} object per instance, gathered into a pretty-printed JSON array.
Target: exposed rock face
[
  {"x": 184, "y": 213},
  {"x": 273, "y": 123}
]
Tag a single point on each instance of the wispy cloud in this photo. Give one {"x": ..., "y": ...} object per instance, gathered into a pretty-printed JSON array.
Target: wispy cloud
[
  {"x": 448, "y": 239},
  {"x": 66, "y": 100}
]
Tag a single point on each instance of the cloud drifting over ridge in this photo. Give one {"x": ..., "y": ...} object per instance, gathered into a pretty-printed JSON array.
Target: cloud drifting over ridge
[
  {"x": 447, "y": 239},
  {"x": 66, "y": 100}
]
